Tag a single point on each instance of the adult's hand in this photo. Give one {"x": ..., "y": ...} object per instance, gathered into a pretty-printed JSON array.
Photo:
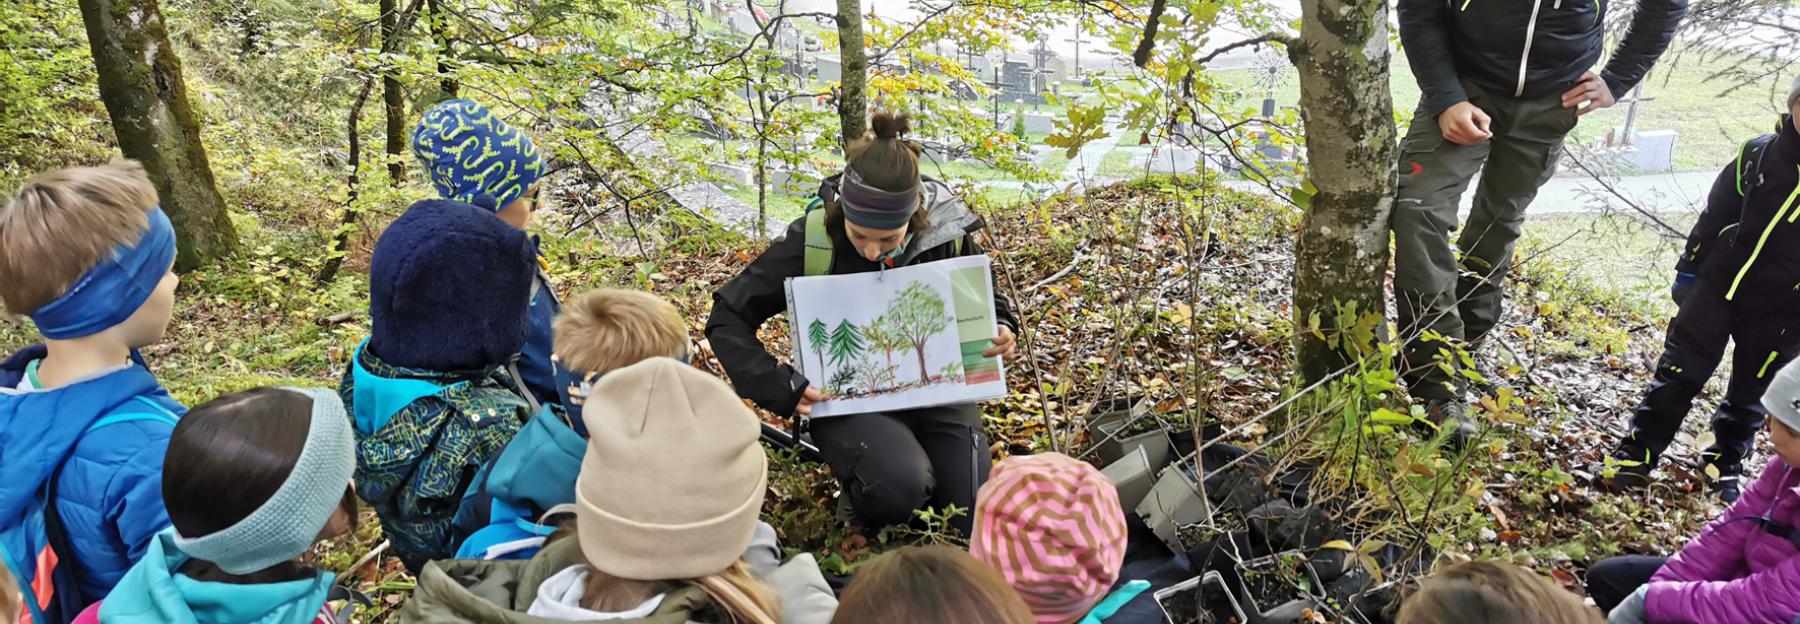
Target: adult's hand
[
  {"x": 807, "y": 399},
  {"x": 1004, "y": 344},
  {"x": 1590, "y": 90},
  {"x": 1465, "y": 124}
]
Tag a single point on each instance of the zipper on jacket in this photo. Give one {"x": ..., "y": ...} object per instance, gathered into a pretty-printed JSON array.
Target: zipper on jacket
[
  {"x": 1761, "y": 241},
  {"x": 1525, "y": 56}
]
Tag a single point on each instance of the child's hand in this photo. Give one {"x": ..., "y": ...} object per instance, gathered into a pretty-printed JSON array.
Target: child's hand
[
  {"x": 807, "y": 399},
  {"x": 1004, "y": 344}
]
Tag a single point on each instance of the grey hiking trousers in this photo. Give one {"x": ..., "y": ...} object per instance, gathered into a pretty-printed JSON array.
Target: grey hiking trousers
[{"x": 1452, "y": 294}]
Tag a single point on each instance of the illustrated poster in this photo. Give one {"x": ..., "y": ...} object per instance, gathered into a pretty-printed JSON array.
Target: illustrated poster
[{"x": 897, "y": 339}]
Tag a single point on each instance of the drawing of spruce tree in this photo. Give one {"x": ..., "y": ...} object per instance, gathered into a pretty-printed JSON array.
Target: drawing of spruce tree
[
  {"x": 918, "y": 313},
  {"x": 846, "y": 343},
  {"x": 816, "y": 336}
]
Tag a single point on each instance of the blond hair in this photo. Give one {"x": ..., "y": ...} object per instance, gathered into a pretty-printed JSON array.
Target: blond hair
[
  {"x": 63, "y": 222},
  {"x": 607, "y": 329},
  {"x": 738, "y": 596},
  {"x": 1484, "y": 592}
]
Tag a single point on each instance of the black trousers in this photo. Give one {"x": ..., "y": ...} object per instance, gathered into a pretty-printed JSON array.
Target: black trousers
[
  {"x": 1614, "y": 579},
  {"x": 1765, "y": 341},
  {"x": 893, "y": 463}
]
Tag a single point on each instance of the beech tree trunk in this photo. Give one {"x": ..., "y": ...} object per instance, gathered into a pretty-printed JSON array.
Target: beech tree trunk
[
  {"x": 1341, "y": 255},
  {"x": 393, "y": 95},
  {"x": 141, "y": 86},
  {"x": 853, "y": 95}
]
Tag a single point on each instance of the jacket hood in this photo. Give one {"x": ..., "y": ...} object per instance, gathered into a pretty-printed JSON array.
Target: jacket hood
[
  {"x": 500, "y": 592},
  {"x": 380, "y": 390},
  {"x": 154, "y": 592},
  {"x": 949, "y": 216},
  {"x": 541, "y": 463},
  {"x": 39, "y": 428}
]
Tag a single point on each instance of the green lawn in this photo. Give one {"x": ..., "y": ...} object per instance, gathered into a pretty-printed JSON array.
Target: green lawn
[{"x": 1609, "y": 249}]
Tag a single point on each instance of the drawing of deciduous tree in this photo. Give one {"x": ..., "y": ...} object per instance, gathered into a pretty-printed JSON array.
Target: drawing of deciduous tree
[
  {"x": 816, "y": 336},
  {"x": 884, "y": 338},
  {"x": 918, "y": 313}
]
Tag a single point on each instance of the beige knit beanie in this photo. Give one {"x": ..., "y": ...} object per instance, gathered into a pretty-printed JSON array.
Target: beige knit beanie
[{"x": 674, "y": 476}]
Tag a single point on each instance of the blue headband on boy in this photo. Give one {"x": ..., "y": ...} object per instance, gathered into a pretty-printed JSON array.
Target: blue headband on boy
[
  {"x": 113, "y": 290},
  {"x": 286, "y": 525}
]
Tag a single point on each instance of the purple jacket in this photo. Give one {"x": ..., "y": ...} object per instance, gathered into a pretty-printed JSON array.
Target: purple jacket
[{"x": 1736, "y": 571}]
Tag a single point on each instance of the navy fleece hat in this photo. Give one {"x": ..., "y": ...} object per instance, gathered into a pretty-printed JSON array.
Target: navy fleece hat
[
  {"x": 475, "y": 157},
  {"x": 450, "y": 289}
]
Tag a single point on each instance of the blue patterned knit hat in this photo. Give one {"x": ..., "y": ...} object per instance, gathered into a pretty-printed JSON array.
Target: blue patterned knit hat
[{"x": 475, "y": 157}]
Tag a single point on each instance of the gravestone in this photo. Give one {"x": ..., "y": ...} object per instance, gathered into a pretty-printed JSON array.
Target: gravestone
[
  {"x": 1040, "y": 123},
  {"x": 1649, "y": 151}
]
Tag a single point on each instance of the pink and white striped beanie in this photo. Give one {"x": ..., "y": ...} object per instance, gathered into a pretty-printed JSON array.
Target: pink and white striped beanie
[{"x": 1051, "y": 525}]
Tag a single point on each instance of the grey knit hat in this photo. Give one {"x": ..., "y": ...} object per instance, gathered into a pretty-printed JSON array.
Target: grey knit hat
[
  {"x": 1782, "y": 399},
  {"x": 1794, "y": 92}
]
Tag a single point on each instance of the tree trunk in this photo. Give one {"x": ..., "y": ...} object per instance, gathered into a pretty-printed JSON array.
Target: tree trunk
[
  {"x": 919, "y": 346},
  {"x": 440, "y": 34},
  {"x": 141, "y": 86},
  {"x": 853, "y": 96},
  {"x": 1341, "y": 255},
  {"x": 393, "y": 95}
]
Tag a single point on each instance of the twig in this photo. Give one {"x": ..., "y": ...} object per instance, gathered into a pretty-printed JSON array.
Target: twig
[{"x": 366, "y": 559}]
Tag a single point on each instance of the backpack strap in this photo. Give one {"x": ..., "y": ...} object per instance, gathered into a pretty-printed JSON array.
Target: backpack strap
[
  {"x": 55, "y": 535},
  {"x": 1749, "y": 163},
  {"x": 818, "y": 240}
]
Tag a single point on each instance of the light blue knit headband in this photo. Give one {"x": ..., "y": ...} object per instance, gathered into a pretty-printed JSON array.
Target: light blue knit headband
[{"x": 286, "y": 526}]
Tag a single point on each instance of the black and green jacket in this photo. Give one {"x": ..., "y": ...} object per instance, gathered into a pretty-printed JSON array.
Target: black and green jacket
[
  {"x": 1747, "y": 240},
  {"x": 742, "y": 305}
]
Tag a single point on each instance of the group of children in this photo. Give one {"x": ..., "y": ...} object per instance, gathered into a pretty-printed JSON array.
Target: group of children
[{"x": 532, "y": 463}]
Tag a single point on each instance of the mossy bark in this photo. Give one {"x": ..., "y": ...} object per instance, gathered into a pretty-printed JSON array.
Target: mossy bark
[
  {"x": 853, "y": 94},
  {"x": 141, "y": 86},
  {"x": 1341, "y": 255}
]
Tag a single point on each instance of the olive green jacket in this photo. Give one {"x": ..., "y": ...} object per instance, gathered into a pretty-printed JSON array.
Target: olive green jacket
[{"x": 499, "y": 592}]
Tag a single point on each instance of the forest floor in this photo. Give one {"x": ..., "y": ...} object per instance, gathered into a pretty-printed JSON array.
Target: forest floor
[{"x": 1170, "y": 289}]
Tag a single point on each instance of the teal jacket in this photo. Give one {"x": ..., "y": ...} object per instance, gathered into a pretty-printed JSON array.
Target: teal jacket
[
  {"x": 420, "y": 438},
  {"x": 154, "y": 592}
]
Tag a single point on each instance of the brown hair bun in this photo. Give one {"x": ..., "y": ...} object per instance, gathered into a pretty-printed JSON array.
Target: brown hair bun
[{"x": 890, "y": 125}]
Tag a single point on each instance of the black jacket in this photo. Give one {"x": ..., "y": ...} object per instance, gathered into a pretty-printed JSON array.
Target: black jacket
[
  {"x": 742, "y": 305},
  {"x": 1526, "y": 49},
  {"x": 1750, "y": 244}
]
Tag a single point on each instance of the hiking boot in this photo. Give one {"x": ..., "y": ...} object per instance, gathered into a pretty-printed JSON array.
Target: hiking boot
[
  {"x": 1630, "y": 467},
  {"x": 1728, "y": 484},
  {"x": 1453, "y": 414}
]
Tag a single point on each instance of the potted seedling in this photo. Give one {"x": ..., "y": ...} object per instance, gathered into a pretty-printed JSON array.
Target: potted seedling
[
  {"x": 1132, "y": 476},
  {"x": 1278, "y": 589},
  {"x": 1175, "y": 501},
  {"x": 1117, "y": 437},
  {"x": 1202, "y": 600}
]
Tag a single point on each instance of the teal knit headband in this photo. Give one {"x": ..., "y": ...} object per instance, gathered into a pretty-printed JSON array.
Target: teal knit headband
[{"x": 286, "y": 526}]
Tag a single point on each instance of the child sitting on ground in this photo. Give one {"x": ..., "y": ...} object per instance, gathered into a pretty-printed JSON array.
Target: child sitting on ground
[
  {"x": 601, "y": 331},
  {"x": 473, "y": 156},
  {"x": 1743, "y": 567},
  {"x": 1485, "y": 592},
  {"x": 432, "y": 392},
  {"x": 1052, "y": 527},
  {"x": 666, "y": 504},
  {"x": 929, "y": 584},
  {"x": 253, "y": 480},
  {"x": 87, "y": 254}
]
